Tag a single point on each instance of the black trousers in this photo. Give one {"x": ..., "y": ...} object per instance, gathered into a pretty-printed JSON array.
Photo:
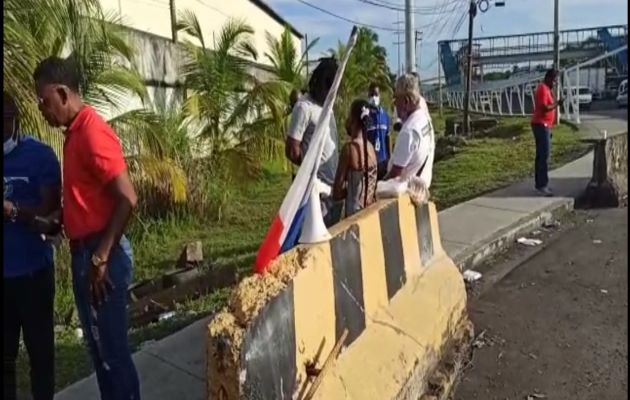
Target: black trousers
[{"x": 28, "y": 309}]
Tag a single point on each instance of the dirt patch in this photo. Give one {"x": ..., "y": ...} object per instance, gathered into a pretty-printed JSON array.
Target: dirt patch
[
  {"x": 255, "y": 291},
  {"x": 227, "y": 329},
  {"x": 447, "y": 374},
  {"x": 225, "y": 339}
]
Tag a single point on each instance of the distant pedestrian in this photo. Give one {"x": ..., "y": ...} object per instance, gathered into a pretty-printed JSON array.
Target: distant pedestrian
[
  {"x": 415, "y": 145},
  {"x": 98, "y": 200},
  {"x": 378, "y": 130},
  {"x": 542, "y": 121},
  {"x": 32, "y": 189},
  {"x": 304, "y": 118},
  {"x": 355, "y": 181}
]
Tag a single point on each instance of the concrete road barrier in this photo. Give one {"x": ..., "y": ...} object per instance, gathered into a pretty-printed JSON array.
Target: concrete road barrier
[
  {"x": 609, "y": 184},
  {"x": 384, "y": 278}
]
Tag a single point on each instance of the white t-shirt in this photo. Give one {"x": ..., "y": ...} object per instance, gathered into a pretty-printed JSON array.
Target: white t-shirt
[
  {"x": 302, "y": 126},
  {"x": 415, "y": 144}
]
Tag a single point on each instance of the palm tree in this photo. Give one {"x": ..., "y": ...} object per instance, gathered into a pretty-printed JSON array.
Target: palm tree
[
  {"x": 367, "y": 64},
  {"x": 237, "y": 118},
  {"x": 35, "y": 29},
  {"x": 287, "y": 64}
]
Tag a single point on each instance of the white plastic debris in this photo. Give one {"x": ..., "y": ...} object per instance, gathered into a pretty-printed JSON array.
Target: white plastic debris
[
  {"x": 597, "y": 241},
  {"x": 79, "y": 333},
  {"x": 529, "y": 242},
  {"x": 471, "y": 276},
  {"x": 166, "y": 316},
  {"x": 604, "y": 291},
  {"x": 390, "y": 188}
]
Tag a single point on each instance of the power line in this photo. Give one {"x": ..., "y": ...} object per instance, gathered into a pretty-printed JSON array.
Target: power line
[
  {"x": 346, "y": 19},
  {"x": 433, "y": 10}
]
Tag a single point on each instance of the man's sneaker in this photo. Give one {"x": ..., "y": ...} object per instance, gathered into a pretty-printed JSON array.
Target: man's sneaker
[{"x": 545, "y": 191}]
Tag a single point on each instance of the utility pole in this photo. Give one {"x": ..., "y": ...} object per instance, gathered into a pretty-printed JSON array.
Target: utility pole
[
  {"x": 173, "y": 20},
  {"x": 556, "y": 35},
  {"x": 398, "y": 41},
  {"x": 556, "y": 49},
  {"x": 439, "y": 63},
  {"x": 306, "y": 55},
  {"x": 472, "y": 11},
  {"x": 418, "y": 41},
  {"x": 410, "y": 56}
]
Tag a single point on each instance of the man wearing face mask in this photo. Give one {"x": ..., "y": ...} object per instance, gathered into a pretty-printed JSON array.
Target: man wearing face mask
[
  {"x": 415, "y": 145},
  {"x": 378, "y": 131},
  {"x": 32, "y": 189}
]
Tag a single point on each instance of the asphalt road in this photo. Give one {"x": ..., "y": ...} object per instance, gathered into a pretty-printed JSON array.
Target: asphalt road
[
  {"x": 556, "y": 327},
  {"x": 608, "y": 108}
]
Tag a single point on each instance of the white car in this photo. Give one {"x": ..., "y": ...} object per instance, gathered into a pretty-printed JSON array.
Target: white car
[
  {"x": 622, "y": 94},
  {"x": 584, "y": 96}
]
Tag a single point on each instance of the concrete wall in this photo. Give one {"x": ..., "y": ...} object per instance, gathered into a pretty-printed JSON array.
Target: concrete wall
[
  {"x": 159, "y": 59},
  {"x": 159, "y": 62},
  {"x": 153, "y": 16}
]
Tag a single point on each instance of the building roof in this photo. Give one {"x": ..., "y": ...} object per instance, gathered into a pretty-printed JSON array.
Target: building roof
[{"x": 270, "y": 11}]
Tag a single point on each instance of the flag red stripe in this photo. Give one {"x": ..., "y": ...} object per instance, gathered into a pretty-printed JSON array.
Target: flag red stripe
[{"x": 270, "y": 247}]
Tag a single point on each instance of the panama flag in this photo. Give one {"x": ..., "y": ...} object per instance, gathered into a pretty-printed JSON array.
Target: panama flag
[{"x": 286, "y": 225}]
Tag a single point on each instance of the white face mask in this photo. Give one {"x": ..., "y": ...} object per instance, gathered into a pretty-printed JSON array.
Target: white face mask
[{"x": 375, "y": 100}]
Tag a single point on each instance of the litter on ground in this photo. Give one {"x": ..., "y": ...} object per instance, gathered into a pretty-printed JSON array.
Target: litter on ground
[{"x": 529, "y": 242}]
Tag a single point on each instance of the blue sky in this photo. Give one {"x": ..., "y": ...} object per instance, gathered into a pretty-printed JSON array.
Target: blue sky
[{"x": 518, "y": 16}]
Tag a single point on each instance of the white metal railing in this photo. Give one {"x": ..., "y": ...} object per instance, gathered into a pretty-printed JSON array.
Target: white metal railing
[
  {"x": 570, "y": 84},
  {"x": 518, "y": 94}
]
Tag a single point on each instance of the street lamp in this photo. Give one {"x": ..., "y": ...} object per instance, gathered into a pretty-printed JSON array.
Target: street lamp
[{"x": 483, "y": 6}]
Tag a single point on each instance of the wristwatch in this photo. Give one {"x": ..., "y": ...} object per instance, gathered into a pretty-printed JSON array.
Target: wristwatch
[{"x": 98, "y": 261}]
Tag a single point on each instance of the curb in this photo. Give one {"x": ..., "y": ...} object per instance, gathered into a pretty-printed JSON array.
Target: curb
[{"x": 503, "y": 238}]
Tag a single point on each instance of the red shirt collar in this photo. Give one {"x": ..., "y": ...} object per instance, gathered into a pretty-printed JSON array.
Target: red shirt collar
[{"x": 79, "y": 119}]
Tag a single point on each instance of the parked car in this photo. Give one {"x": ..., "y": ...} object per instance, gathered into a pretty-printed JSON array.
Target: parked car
[
  {"x": 584, "y": 96},
  {"x": 622, "y": 94}
]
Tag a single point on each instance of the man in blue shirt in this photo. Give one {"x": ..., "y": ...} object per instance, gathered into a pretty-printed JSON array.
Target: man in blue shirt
[
  {"x": 378, "y": 131},
  {"x": 32, "y": 190}
]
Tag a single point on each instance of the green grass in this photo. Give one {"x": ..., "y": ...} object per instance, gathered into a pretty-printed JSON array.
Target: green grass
[
  {"x": 489, "y": 163},
  {"x": 483, "y": 165}
]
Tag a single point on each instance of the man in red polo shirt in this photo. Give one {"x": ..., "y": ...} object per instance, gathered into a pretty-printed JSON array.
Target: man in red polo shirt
[
  {"x": 98, "y": 199},
  {"x": 542, "y": 120}
]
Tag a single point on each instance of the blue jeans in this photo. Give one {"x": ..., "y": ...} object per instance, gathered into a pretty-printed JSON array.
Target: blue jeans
[
  {"x": 105, "y": 326},
  {"x": 542, "y": 136}
]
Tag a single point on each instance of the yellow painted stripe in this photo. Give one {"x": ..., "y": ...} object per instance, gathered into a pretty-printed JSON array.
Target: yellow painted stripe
[
  {"x": 435, "y": 231},
  {"x": 372, "y": 265},
  {"x": 314, "y": 307},
  {"x": 409, "y": 235}
]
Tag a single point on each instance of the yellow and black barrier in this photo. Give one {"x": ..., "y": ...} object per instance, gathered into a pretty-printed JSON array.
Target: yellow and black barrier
[{"x": 384, "y": 278}]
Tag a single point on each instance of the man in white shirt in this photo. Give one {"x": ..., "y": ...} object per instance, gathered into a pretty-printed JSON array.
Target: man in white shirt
[
  {"x": 304, "y": 117},
  {"x": 415, "y": 145}
]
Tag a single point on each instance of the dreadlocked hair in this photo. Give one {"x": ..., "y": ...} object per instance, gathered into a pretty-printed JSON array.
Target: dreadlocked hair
[{"x": 322, "y": 79}]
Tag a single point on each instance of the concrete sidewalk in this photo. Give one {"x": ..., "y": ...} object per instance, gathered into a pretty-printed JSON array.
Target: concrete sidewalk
[{"x": 174, "y": 368}]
